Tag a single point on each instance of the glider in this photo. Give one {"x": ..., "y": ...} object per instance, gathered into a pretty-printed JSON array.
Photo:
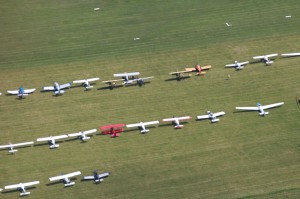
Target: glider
[
  {"x": 21, "y": 92},
  {"x": 57, "y": 88},
  {"x": 176, "y": 121},
  {"x": 266, "y": 58},
  {"x": 290, "y": 54},
  {"x": 97, "y": 177},
  {"x": 51, "y": 140},
  {"x": 11, "y": 146},
  {"x": 142, "y": 125},
  {"x": 86, "y": 82},
  {"x": 237, "y": 65},
  {"x": 21, "y": 187},
  {"x": 82, "y": 135},
  {"x": 65, "y": 178},
  {"x": 199, "y": 69},
  {"x": 260, "y": 108},
  {"x": 212, "y": 116}
]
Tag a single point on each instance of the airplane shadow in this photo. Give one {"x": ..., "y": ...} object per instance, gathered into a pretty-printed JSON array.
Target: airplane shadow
[
  {"x": 109, "y": 87},
  {"x": 53, "y": 183}
]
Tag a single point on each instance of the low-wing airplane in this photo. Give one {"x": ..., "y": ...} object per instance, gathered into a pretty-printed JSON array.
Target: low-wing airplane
[
  {"x": 11, "y": 146},
  {"x": 290, "y": 54},
  {"x": 127, "y": 77},
  {"x": 97, "y": 177},
  {"x": 199, "y": 69},
  {"x": 237, "y": 65},
  {"x": 139, "y": 81},
  {"x": 65, "y": 178},
  {"x": 212, "y": 116},
  {"x": 113, "y": 83},
  {"x": 176, "y": 121},
  {"x": 51, "y": 140},
  {"x": 113, "y": 129},
  {"x": 21, "y": 92},
  {"x": 21, "y": 187},
  {"x": 180, "y": 75},
  {"x": 57, "y": 88},
  {"x": 266, "y": 58},
  {"x": 260, "y": 108},
  {"x": 86, "y": 82},
  {"x": 142, "y": 125},
  {"x": 82, "y": 135}
]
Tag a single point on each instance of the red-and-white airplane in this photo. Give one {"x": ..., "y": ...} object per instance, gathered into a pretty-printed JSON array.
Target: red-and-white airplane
[
  {"x": 12, "y": 146},
  {"x": 51, "y": 140},
  {"x": 82, "y": 134},
  {"x": 237, "y": 65},
  {"x": 260, "y": 108},
  {"x": 199, "y": 69},
  {"x": 21, "y": 187},
  {"x": 86, "y": 82},
  {"x": 142, "y": 125},
  {"x": 266, "y": 58},
  {"x": 176, "y": 121},
  {"x": 212, "y": 116},
  {"x": 66, "y": 178}
]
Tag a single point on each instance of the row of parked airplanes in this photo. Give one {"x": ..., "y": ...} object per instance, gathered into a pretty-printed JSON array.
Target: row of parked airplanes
[
  {"x": 132, "y": 77},
  {"x": 65, "y": 178}
]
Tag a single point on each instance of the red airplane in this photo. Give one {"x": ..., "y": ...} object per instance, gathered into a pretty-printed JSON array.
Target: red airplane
[
  {"x": 113, "y": 129},
  {"x": 199, "y": 69}
]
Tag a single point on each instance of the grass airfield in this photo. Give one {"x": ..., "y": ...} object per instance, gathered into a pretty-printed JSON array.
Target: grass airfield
[{"x": 242, "y": 156}]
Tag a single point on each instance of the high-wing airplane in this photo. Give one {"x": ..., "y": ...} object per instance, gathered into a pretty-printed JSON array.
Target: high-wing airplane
[
  {"x": 260, "y": 108},
  {"x": 65, "y": 178},
  {"x": 86, "y": 82},
  {"x": 290, "y": 54},
  {"x": 51, "y": 140},
  {"x": 176, "y": 121},
  {"x": 139, "y": 81},
  {"x": 127, "y": 77},
  {"x": 82, "y": 135},
  {"x": 212, "y": 116},
  {"x": 142, "y": 125},
  {"x": 21, "y": 92},
  {"x": 237, "y": 65},
  {"x": 113, "y": 129},
  {"x": 180, "y": 75},
  {"x": 199, "y": 69},
  {"x": 97, "y": 177},
  {"x": 266, "y": 58},
  {"x": 113, "y": 83},
  {"x": 11, "y": 146},
  {"x": 57, "y": 88},
  {"x": 21, "y": 187}
]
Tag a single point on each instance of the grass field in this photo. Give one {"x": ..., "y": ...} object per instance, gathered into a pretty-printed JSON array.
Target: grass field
[{"x": 243, "y": 156}]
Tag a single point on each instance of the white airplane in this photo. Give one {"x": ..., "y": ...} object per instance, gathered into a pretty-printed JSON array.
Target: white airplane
[
  {"x": 212, "y": 116},
  {"x": 21, "y": 187},
  {"x": 127, "y": 77},
  {"x": 237, "y": 65},
  {"x": 82, "y": 135},
  {"x": 51, "y": 140},
  {"x": 11, "y": 146},
  {"x": 142, "y": 125},
  {"x": 176, "y": 121},
  {"x": 57, "y": 88},
  {"x": 290, "y": 54},
  {"x": 86, "y": 82},
  {"x": 260, "y": 108},
  {"x": 179, "y": 75},
  {"x": 97, "y": 177},
  {"x": 139, "y": 81},
  {"x": 21, "y": 92},
  {"x": 266, "y": 58},
  {"x": 65, "y": 178}
]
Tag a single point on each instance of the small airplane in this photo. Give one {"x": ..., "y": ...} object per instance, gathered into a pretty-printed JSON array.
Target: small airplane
[
  {"x": 176, "y": 121},
  {"x": 65, "y": 178},
  {"x": 97, "y": 177},
  {"x": 113, "y": 129},
  {"x": 82, "y": 135},
  {"x": 127, "y": 77},
  {"x": 21, "y": 92},
  {"x": 21, "y": 187},
  {"x": 142, "y": 125},
  {"x": 212, "y": 116},
  {"x": 260, "y": 108},
  {"x": 86, "y": 82},
  {"x": 57, "y": 88},
  {"x": 237, "y": 65},
  {"x": 113, "y": 83},
  {"x": 51, "y": 140},
  {"x": 290, "y": 54},
  {"x": 199, "y": 69},
  {"x": 180, "y": 75},
  {"x": 139, "y": 81},
  {"x": 266, "y": 58},
  {"x": 11, "y": 146}
]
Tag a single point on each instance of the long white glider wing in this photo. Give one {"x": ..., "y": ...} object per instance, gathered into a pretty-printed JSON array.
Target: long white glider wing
[
  {"x": 230, "y": 65},
  {"x": 63, "y": 86},
  {"x": 21, "y": 184},
  {"x": 103, "y": 175},
  {"x": 69, "y": 175},
  {"x": 141, "y": 123},
  {"x": 50, "y": 138},
  {"x": 88, "y": 177},
  {"x": 84, "y": 132},
  {"x": 272, "y": 55},
  {"x": 176, "y": 118},
  {"x": 290, "y": 54},
  {"x": 202, "y": 117},
  {"x": 16, "y": 145},
  {"x": 48, "y": 88},
  {"x": 83, "y": 80},
  {"x": 272, "y": 105},
  {"x": 26, "y": 91},
  {"x": 252, "y": 108}
]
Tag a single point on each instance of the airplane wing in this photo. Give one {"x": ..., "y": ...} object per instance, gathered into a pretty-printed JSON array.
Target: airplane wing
[
  {"x": 202, "y": 117},
  {"x": 176, "y": 118},
  {"x": 253, "y": 108},
  {"x": 169, "y": 119},
  {"x": 259, "y": 57},
  {"x": 83, "y": 80},
  {"x": 90, "y": 131},
  {"x": 144, "y": 78},
  {"x": 93, "y": 79},
  {"x": 141, "y": 123},
  {"x": 152, "y": 122},
  {"x": 59, "y": 137},
  {"x": 4, "y": 146},
  {"x": 219, "y": 113},
  {"x": 103, "y": 175},
  {"x": 190, "y": 69},
  {"x": 88, "y": 177},
  {"x": 27, "y": 91},
  {"x": 63, "y": 86},
  {"x": 31, "y": 183},
  {"x": 272, "y": 105},
  {"x": 184, "y": 118},
  {"x": 243, "y": 63},
  {"x": 230, "y": 65},
  {"x": 22, "y": 144},
  {"x": 13, "y": 92},
  {"x": 133, "y": 125},
  {"x": 48, "y": 88},
  {"x": 50, "y": 138},
  {"x": 290, "y": 54},
  {"x": 126, "y": 74},
  {"x": 21, "y": 184},
  {"x": 74, "y": 134},
  {"x": 272, "y": 55},
  {"x": 69, "y": 175}
]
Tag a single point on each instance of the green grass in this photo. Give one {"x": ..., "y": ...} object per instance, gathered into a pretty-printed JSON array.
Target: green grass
[{"x": 243, "y": 156}]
